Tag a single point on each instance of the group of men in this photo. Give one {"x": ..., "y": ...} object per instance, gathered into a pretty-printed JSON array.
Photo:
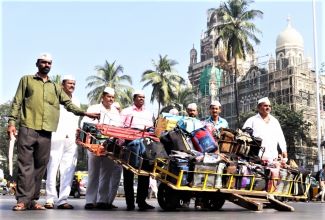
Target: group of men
[
  {"x": 46, "y": 140},
  {"x": 264, "y": 125}
]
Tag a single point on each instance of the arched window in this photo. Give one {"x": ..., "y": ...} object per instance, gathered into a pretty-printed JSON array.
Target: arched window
[{"x": 279, "y": 61}]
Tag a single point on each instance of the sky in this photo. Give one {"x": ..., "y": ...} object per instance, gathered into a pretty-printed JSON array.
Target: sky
[{"x": 81, "y": 35}]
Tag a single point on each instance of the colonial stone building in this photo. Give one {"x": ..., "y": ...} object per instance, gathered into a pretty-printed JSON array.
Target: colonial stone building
[{"x": 288, "y": 78}]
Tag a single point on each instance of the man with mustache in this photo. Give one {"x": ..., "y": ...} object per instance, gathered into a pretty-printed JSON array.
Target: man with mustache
[
  {"x": 37, "y": 105},
  {"x": 103, "y": 173},
  {"x": 268, "y": 128},
  {"x": 138, "y": 117},
  {"x": 64, "y": 152}
]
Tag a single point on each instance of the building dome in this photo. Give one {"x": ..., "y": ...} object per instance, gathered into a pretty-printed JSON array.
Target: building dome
[{"x": 289, "y": 37}]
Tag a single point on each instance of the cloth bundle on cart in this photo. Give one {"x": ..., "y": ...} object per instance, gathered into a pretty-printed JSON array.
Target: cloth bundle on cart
[
  {"x": 143, "y": 149},
  {"x": 179, "y": 139},
  {"x": 176, "y": 140}
]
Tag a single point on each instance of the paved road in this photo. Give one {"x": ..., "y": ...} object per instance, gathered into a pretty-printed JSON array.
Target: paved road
[{"x": 303, "y": 211}]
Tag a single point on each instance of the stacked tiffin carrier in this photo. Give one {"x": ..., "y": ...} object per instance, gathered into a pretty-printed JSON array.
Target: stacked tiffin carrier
[
  {"x": 196, "y": 159},
  {"x": 231, "y": 161}
]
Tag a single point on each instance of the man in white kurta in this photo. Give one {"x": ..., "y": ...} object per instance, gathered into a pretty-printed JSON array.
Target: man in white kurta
[
  {"x": 268, "y": 128},
  {"x": 64, "y": 152},
  {"x": 103, "y": 174}
]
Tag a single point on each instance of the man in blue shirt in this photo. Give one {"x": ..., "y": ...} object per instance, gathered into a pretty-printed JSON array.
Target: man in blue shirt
[{"x": 214, "y": 118}]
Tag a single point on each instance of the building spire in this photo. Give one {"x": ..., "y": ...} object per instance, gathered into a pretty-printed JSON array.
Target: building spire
[{"x": 289, "y": 20}]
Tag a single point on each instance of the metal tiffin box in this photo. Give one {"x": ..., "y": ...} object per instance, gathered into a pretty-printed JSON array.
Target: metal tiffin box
[{"x": 205, "y": 173}]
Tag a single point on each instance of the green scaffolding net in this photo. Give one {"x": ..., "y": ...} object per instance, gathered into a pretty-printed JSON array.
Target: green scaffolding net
[{"x": 206, "y": 79}]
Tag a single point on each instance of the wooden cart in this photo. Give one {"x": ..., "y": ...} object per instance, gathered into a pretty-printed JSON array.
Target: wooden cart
[{"x": 172, "y": 194}]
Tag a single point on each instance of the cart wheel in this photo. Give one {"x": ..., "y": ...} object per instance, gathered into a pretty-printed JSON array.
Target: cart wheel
[
  {"x": 167, "y": 198},
  {"x": 214, "y": 204}
]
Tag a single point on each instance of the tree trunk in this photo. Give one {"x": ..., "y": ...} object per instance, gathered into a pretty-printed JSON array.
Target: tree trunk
[
  {"x": 158, "y": 109},
  {"x": 236, "y": 93}
]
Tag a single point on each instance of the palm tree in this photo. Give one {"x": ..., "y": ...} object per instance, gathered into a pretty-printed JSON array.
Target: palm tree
[
  {"x": 126, "y": 98},
  {"x": 164, "y": 81},
  {"x": 56, "y": 79},
  {"x": 184, "y": 96},
  {"x": 236, "y": 31},
  {"x": 107, "y": 75}
]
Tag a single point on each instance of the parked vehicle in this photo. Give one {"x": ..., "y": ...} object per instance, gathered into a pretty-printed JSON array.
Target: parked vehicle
[
  {"x": 78, "y": 188},
  {"x": 79, "y": 184}
]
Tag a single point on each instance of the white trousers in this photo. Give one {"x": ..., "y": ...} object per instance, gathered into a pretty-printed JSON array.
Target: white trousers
[
  {"x": 103, "y": 179},
  {"x": 114, "y": 182},
  {"x": 63, "y": 157}
]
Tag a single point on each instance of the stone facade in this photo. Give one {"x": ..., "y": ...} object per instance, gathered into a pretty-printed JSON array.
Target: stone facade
[{"x": 288, "y": 79}]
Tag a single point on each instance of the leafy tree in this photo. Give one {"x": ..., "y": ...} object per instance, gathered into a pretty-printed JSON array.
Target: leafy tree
[
  {"x": 56, "y": 79},
  {"x": 244, "y": 116},
  {"x": 294, "y": 127},
  {"x": 107, "y": 75},
  {"x": 184, "y": 96},
  {"x": 126, "y": 98},
  {"x": 235, "y": 31},
  {"x": 164, "y": 81}
]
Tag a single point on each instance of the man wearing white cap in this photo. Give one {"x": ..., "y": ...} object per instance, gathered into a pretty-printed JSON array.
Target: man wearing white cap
[
  {"x": 214, "y": 118},
  {"x": 64, "y": 152},
  {"x": 173, "y": 111},
  {"x": 37, "y": 101},
  {"x": 268, "y": 128},
  {"x": 191, "y": 122},
  {"x": 136, "y": 116},
  {"x": 192, "y": 110},
  {"x": 103, "y": 174}
]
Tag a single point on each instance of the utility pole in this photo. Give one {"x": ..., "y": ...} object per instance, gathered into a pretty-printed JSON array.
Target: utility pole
[{"x": 320, "y": 158}]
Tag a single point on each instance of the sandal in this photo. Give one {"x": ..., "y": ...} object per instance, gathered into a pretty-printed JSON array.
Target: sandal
[
  {"x": 89, "y": 206},
  {"x": 65, "y": 206},
  {"x": 49, "y": 205},
  {"x": 19, "y": 207},
  {"x": 37, "y": 206}
]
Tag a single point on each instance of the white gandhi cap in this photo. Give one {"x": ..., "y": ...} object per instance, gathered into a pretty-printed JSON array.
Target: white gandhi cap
[
  {"x": 138, "y": 92},
  {"x": 173, "y": 111},
  {"x": 192, "y": 106},
  {"x": 264, "y": 100},
  {"x": 109, "y": 90},
  {"x": 215, "y": 103},
  {"x": 68, "y": 77},
  {"x": 45, "y": 56}
]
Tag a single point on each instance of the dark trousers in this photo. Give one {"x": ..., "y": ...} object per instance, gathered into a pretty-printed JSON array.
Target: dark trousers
[
  {"x": 33, "y": 149},
  {"x": 142, "y": 190}
]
